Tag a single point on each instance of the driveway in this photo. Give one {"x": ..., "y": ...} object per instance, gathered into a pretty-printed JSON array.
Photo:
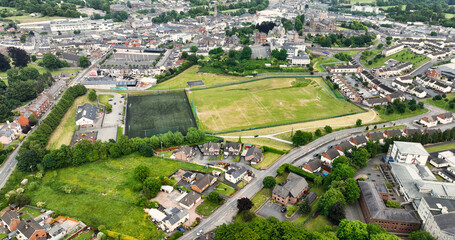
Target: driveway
[
  {"x": 271, "y": 209},
  {"x": 116, "y": 116}
]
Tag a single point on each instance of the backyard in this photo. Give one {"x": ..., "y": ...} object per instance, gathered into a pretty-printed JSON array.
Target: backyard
[
  {"x": 192, "y": 74},
  {"x": 64, "y": 131},
  {"x": 267, "y": 102},
  {"x": 107, "y": 190},
  {"x": 402, "y": 56},
  {"x": 269, "y": 158},
  {"x": 224, "y": 189},
  {"x": 29, "y": 213}
]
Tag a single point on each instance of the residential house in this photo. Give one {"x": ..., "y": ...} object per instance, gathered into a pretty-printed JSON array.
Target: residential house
[
  {"x": 175, "y": 217},
  {"x": 254, "y": 155},
  {"x": 39, "y": 106},
  {"x": 445, "y": 118},
  {"x": 314, "y": 165},
  {"x": 359, "y": 141},
  {"x": 393, "y": 50},
  {"x": 429, "y": 121},
  {"x": 23, "y": 119},
  {"x": 390, "y": 133},
  {"x": 373, "y": 102},
  {"x": 29, "y": 229},
  {"x": 344, "y": 147},
  {"x": 375, "y": 211},
  {"x": 235, "y": 174},
  {"x": 211, "y": 149},
  {"x": 190, "y": 199},
  {"x": 345, "y": 69},
  {"x": 10, "y": 220},
  {"x": 184, "y": 153},
  {"x": 375, "y": 136},
  {"x": 438, "y": 217},
  {"x": 9, "y": 132},
  {"x": 330, "y": 155},
  {"x": 203, "y": 183},
  {"x": 86, "y": 115},
  {"x": 409, "y": 152},
  {"x": 411, "y": 131},
  {"x": 292, "y": 191},
  {"x": 232, "y": 148}
]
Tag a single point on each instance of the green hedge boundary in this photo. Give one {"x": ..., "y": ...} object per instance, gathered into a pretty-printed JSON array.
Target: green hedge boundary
[{"x": 294, "y": 169}]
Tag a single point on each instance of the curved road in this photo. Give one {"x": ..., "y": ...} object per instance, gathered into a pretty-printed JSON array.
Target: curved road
[{"x": 227, "y": 211}]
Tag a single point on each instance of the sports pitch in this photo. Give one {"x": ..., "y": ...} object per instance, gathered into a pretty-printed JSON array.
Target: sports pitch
[
  {"x": 148, "y": 115},
  {"x": 266, "y": 103}
]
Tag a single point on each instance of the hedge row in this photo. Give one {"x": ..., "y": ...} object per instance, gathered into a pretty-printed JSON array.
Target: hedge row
[
  {"x": 274, "y": 150},
  {"x": 294, "y": 169}
]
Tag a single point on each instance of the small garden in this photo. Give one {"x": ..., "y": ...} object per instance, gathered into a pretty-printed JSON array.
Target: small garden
[{"x": 224, "y": 189}]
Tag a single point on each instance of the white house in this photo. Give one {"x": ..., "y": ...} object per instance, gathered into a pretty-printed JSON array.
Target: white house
[
  {"x": 429, "y": 121},
  {"x": 445, "y": 118},
  {"x": 409, "y": 152},
  {"x": 393, "y": 50},
  {"x": 190, "y": 199},
  {"x": 235, "y": 174},
  {"x": 86, "y": 114},
  {"x": 175, "y": 217}
]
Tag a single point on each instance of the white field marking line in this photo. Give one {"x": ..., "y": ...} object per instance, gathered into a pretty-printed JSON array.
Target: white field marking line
[
  {"x": 263, "y": 106},
  {"x": 243, "y": 115},
  {"x": 222, "y": 121}
]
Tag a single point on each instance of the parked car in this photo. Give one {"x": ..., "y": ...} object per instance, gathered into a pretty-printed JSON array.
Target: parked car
[
  {"x": 200, "y": 232},
  {"x": 283, "y": 210}
]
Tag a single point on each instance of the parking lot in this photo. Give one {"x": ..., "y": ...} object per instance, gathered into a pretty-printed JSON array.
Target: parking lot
[
  {"x": 131, "y": 59},
  {"x": 271, "y": 209},
  {"x": 116, "y": 116}
]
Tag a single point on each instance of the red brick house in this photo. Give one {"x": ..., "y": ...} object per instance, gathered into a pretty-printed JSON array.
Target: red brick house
[
  {"x": 39, "y": 106},
  {"x": 292, "y": 191},
  {"x": 10, "y": 220},
  {"x": 203, "y": 183},
  {"x": 29, "y": 229}
]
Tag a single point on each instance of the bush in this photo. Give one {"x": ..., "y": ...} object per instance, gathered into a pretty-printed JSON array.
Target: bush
[
  {"x": 388, "y": 185},
  {"x": 393, "y": 204},
  {"x": 269, "y": 182},
  {"x": 273, "y": 150}
]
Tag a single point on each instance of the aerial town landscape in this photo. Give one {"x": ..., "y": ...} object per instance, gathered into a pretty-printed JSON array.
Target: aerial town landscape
[{"x": 227, "y": 119}]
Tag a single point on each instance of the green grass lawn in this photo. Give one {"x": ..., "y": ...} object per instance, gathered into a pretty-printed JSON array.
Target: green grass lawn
[
  {"x": 84, "y": 236},
  {"x": 385, "y": 128},
  {"x": 441, "y": 148},
  {"x": 27, "y": 19},
  {"x": 395, "y": 116},
  {"x": 192, "y": 74},
  {"x": 402, "y": 56},
  {"x": 441, "y": 103},
  {"x": 449, "y": 15},
  {"x": 29, "y": 213},
  {"x": 260, "y": 198},
  {"x": 350, "y": 53},
  {"x": 207, "y": 207},
  {"x": 104, "y": 99},
  {"x": 319, "y": 224},
  {"x": 362, "y": 1},
  {"x": 324, "y": 63},
  {"x": 224, "y": 189},
  {"x": 43, "y": 70},
  {"x": 105, "y": 189},
  {"x": 265, "y": 103},
  {"x": 64, "y": 131},
  {"x": 269, "y": 158}
]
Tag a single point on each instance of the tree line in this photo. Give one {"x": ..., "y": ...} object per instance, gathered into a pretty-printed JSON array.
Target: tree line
[{"x": 341, "y": 40}]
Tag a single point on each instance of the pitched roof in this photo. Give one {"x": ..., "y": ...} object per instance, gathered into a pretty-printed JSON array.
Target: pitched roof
[
  {"x": 378, "y": 209},
  {"x": 236, "y": 172},
  {"x": 190, "y": 198},
  {"x": 392, "y": 132},
  {"x": 8, "y": 216},
  {"x": 201, "y": 183},
  {"x": 255, "y": 152},
  {"x": 295, "y": 184},
  {"x": 446, "y": 222},
  {"x": 28, "y": 227},
  {"x": 87, "y": 110},
  {"x": 232, "y": 145},
  {"x": 185, "y": 149},
  {"x": 176, "y": 216},
  {"x": 332, "y": 153},
  {"x": 314, "y": 163}
]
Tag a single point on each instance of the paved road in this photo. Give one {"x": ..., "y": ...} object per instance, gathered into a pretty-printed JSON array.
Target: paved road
[
  {"x": 10, "y": 163},
  {"x": 297, "y": 156}
]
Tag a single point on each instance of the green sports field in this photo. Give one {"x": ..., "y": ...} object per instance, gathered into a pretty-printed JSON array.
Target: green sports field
[{"x": 265, "y": 103}]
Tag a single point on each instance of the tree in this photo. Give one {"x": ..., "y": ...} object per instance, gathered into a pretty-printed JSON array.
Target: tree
[
  {"x": 4, "y": 63},
  {"x": 32, "y": 120},
  {"x": 141, "y": 172},
  {"x": 301, "y": 138},
  {"x": 298, "y": 25},
  {"x": 92, "y": 95},
  {"x": 194, "y": 49},
  {"x": 433, "y": 33},
  {"x": 50, "y": 61},
  {"x": 246, "y": 53},
  {"x": 393, "y": 204},
  {"x": 342, "y": 171},
  {"x": 384, "y": 236},
  {"x": 154, "y": 184},
  {"x": 337, "y": 213},
  {"x": 421, "y": 235},
  {"x": 145, "y": 150},
  {"x": 360, "y": 157},
  {"x": 214, "y": 197},
  {"x": 19, "y": 56},
  {"x": 352, "y": 191},
  {"x": 84, "y": 62},
  {"x": 305, "y": 207},
  {"x": 358, "y": 122},
  {"x": 374, "y": 228},
  {"x": 318, "y": 132},
  {"x": 330, "y": 198},
  {"x": 318, "y": 180},
  {"x": 27, "y": 160},
  {"x": 269, "y": 182},
  {"x": 328, "y": 129},
  {"x": 244, "y": 203},
  {"x": 352, "y": 230},
  {"x": 184, "y": 55},
  {"x": 23, "y": 38}
]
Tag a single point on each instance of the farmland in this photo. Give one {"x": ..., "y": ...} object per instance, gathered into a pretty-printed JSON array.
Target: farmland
[{"x": 267, "y": 102}]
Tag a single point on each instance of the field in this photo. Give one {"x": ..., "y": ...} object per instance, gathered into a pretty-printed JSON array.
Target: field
[
  {"x": 395, "y": 116},
  {"x": 29, "y": 213},
  {"x": 43, "y": 70},
  {"x": 27, "y": 19},
  {"x": 319, "y": 224},
  {"x": 402, "y": 56},
  {"x": 64, "y": 131},
  {"x": 192, "y": 74},
  {"x": 441, "y": 148},
  {"x": 269, "y": 158},
  {"x": 105, "y": 190},
  {"x": 149, "y": 115},
  {"x": 441, "y": 103},
  {"x": 267, "y": 142},
  {"x": 266, "y": 103}
]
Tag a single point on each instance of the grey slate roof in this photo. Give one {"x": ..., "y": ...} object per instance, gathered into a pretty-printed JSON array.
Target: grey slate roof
[
  {"x": 378, "y": 209},
  {"x": 314, "y": 163},
  {"x": 87, "y": 110},
  {"x": 176, "y": 216},
  {"x": 236, "y": 171},
  {"x": 234, "y": 145},
  {"x": 256, "y": 152},
  {"x": 446, "y": 222},
  {"x": 295, "y": 184},
  {"x": 190, "y": 198},
  {"x": 204, "y": 181},
  {"x": 8, "y": 216},
  {"x": 28, "y": 227},
  {"x": 333, "y": 153}
]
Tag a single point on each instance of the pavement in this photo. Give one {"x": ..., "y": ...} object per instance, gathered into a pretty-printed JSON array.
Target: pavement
[{"x": 116, "y": 116}]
